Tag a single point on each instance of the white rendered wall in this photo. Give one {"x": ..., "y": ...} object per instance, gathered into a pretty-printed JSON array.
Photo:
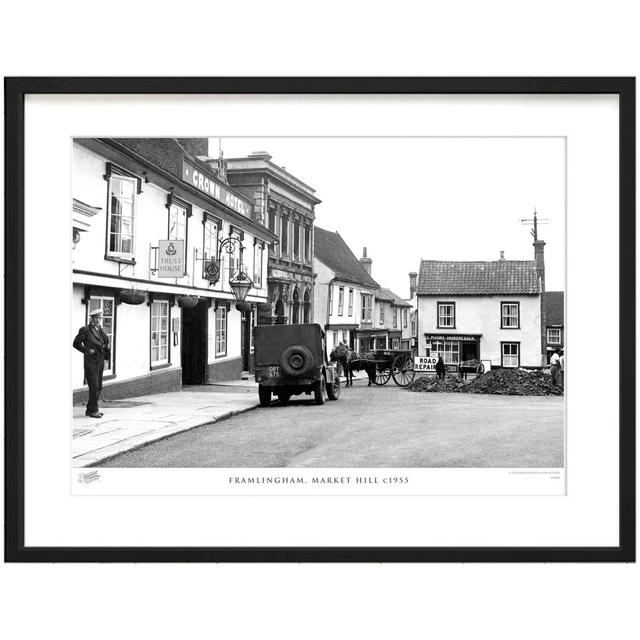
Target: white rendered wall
[
  {"x": 481, "y": 315},
  {"x": 132, "y": 343}
]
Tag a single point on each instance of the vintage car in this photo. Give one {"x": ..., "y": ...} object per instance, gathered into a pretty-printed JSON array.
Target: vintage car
[{"x": 291, "y": 359}]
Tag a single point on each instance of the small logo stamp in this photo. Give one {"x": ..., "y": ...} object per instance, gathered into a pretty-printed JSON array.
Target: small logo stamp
[{"x": 88, "y": 477}]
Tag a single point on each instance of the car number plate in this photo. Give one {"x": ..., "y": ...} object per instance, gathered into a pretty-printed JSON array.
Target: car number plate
[{"x": 274, "y": 372}]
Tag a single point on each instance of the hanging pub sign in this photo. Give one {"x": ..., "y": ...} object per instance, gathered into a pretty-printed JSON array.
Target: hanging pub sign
[
  {"x": 171, "y": 259},
  {"x": 218, "y": 191},
  {"x": 212, "y": 270}
]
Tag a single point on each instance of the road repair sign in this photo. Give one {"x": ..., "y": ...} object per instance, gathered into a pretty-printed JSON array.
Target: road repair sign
[{"x": 425, "y": 363}]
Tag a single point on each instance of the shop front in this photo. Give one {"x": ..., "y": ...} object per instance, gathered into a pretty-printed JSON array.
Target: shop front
[
  {"x": 454, "y": 349},
  {"x": 370, "y": 340}
]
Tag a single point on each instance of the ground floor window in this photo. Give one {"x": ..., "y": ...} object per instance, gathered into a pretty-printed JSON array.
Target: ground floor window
[
  {"x": 450, "y": 351},
  {"x": 335, "y": 338},
  {"x": 345, "y": 337},
  {"x": 221, "y": 331},
  {"x": 395, "y": 343},
  {"x": 307, "y": 308},
  {"x": 159, "y": 332},
  {"x": 510, "y": 354},
  {"x": 106, "y": 304}
]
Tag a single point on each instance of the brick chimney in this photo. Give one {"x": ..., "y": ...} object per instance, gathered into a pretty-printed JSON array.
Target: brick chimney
[
  {"x": 538, "y": 252},
  {"x": 412, "y": 283},
  {"x": 366, "y": 262}
]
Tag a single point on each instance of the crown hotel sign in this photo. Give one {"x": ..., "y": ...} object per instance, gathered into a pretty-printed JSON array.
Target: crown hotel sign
[
  {"x": 216, "y": 190},
  {"x": 171, "y": 259}
]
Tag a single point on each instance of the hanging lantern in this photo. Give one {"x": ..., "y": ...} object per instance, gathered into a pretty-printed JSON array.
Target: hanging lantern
[{"x": 240, "y": 285}]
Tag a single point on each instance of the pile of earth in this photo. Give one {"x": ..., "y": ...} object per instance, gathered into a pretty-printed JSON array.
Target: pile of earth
[
  {"x": 448, "y": 385},
  {"x": 508, "y": 382},
  {"x": 514, "y": 382}
]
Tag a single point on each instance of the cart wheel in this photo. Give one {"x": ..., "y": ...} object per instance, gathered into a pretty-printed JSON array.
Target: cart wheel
[
  {"x": 402, "y": 370},
  {"x": 382, "y": 375}
]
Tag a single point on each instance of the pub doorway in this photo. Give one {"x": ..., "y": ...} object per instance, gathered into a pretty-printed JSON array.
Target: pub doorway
[{"x": 193, "y": 351}]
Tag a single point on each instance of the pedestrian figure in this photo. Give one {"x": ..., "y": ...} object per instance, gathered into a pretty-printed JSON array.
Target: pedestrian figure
[
  {"x": 562, "y": 369},
  {"x": 555, "y": 367},
  {"x": 93, "y": 342},
  {"x": 440, "y": 368}
]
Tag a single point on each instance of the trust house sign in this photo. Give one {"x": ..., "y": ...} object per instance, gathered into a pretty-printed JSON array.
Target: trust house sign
[{"x": 171, "y": 259}]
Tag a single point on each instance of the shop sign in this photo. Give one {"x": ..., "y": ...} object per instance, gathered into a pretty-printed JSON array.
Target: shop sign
[
  {"x": 450, "y": 338},
  {"x": 216, "y": 190},
  {"x": 425, "y": 363},
  {"x": 171, "y": 259}
]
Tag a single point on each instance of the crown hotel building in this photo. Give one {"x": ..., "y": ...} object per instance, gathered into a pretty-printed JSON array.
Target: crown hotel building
[{"x": 151, "y": 223}]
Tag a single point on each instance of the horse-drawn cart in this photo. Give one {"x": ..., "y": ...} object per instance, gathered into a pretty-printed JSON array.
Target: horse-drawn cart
[{"x": 392, "y": 363}]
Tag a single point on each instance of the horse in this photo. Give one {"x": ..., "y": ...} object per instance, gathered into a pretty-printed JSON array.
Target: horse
[
  {"x": 362, "y": 362},
  {"x": 343, "y": 356}
]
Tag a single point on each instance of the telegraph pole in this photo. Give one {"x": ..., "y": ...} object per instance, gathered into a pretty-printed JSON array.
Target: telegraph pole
[
  {"x": 538, "y": 245},
  {"x": 538, "y": 252}
]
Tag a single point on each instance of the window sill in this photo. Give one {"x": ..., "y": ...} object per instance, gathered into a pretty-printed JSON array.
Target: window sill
[
  {"x": 113, "y": 258},
  {"x": 156, "y": 367}
]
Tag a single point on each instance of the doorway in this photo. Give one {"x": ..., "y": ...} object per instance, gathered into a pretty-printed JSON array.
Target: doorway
[
  {"x": 194, "y": 344},
  {"x": 469, "y": 351},
  {"x": 246, "y": 326}
]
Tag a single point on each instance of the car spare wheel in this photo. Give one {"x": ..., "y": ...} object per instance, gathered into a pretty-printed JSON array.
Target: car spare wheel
[{"x": 296, "y": 361}]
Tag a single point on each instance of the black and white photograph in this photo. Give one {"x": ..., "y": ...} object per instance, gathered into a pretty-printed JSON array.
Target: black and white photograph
[
  {"x": 320, "y": 320},
  {"x": 363, "y": 316},
  {"x": 319, "y": 302}
]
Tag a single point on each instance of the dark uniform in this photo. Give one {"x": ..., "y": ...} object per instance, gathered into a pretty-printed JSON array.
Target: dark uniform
[{"x": 93, "y": 342}]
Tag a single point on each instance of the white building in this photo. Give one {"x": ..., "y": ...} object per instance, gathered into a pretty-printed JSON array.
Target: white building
[
  {"x": 130, "y": 196},
  {"x": 343, "y": 292},
  {"x": 392, "y": 321},
  {"x": 489, "y": 311}
]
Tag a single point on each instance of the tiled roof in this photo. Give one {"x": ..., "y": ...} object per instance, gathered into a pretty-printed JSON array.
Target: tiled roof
[
  {"x": 165, "y": 153},
  {"x": 332, "y": 250},
  {"x": 553, "y": 306},
  {"x": 477, "y": 278},
  {"x": 388, "y": 295}
]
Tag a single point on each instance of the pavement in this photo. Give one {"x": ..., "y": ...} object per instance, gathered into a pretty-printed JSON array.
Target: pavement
[{"x": 133, "y": 422}]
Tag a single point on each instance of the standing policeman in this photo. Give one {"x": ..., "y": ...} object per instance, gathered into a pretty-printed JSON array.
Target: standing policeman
[{"x": 94, "y": 343}]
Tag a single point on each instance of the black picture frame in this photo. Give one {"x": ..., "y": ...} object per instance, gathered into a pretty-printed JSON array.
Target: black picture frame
[{"x": 15, "y": 91}]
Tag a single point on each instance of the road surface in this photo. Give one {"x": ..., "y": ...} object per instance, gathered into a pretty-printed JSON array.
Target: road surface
[{"x": 373, "y": 427}]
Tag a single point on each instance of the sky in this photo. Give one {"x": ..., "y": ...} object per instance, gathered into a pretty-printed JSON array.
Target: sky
[{"x": 433, "y": 198}]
